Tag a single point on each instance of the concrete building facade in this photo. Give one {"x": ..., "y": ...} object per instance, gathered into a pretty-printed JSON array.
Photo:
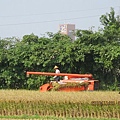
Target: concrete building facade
[{"x": 67, "y": 29}]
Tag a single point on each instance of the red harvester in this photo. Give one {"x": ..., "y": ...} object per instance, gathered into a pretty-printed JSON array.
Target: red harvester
[{"x": 70, "y": 82}]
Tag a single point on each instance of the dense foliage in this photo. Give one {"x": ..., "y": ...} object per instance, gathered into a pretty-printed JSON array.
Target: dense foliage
[{"x": 92, "y": 52}]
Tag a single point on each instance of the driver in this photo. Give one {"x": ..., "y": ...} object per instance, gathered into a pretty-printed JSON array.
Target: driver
[{"x": 56, "y": 78}]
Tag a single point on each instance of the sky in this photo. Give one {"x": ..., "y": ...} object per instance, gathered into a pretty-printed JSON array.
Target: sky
[{"x": 24, "y": 17}]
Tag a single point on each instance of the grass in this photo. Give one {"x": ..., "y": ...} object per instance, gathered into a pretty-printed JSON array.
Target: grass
[{"x": 48, "y": 118}]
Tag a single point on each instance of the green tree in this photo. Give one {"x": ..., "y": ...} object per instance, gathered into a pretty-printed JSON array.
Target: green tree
[
  {"x": 5, "y": 45},
  {"x": 111, "y": 25},
  {"x": 99, "y": 52}
]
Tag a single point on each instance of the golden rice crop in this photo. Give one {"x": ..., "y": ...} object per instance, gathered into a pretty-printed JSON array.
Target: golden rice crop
[
  {"x": 84, "y": 96},
  {"x": 61, "y": 104}
]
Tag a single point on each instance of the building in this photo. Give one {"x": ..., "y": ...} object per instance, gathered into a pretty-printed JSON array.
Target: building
[{"x": 67, "y": 29}]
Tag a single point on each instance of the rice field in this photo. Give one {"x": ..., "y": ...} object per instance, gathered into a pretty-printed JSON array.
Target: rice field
[
  {"x": 83, "y": 96},
  {"x": 84, "y": 104}
]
